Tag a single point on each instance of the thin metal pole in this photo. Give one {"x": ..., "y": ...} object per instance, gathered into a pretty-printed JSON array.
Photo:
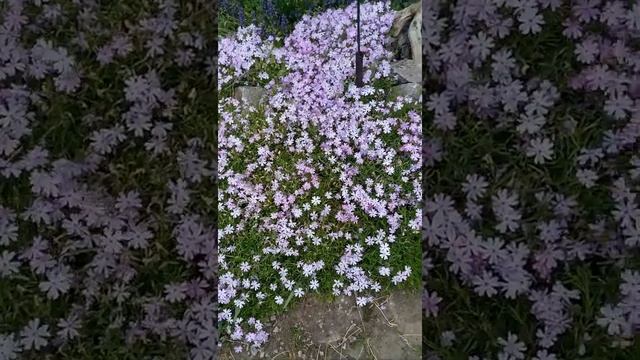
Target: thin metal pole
[
  {"x": 358, "y": 22},
  {"x": 359, "y": 54}
]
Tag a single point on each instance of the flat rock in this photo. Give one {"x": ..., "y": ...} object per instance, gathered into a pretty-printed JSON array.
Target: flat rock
[
  {"x": 338, "y": 319},
  {"x": 386, "y": 340},
  {"x": 411, "y": 90},
  {"x": 406, "y": 311},
  {"x": 404, "y": 16},
  {"x": 402, "y": 46},
  {"x": 249, "y": 95},
  {"x": 391, "y": 347},
  {"x": 415, "y": 38},
  {"x": 406, "y": 33},
  {"x": 356, "y": 350},
  {"x": 408, "y": 70}
]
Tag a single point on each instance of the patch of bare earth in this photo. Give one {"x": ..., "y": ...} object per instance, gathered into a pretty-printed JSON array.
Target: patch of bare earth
[{"x": 388, "y": 329}]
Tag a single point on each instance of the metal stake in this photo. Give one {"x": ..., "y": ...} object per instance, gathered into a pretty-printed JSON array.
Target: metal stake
[{"x": 359, "y": 54}]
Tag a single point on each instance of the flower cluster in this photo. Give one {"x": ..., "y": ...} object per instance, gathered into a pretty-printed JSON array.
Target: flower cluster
[
  {"x": 319, "y": 184},
  {"x": 275, "y": 16},
  {"x": 239, "y": 53}
]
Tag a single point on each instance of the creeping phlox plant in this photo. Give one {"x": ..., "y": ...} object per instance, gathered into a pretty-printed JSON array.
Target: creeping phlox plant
[
  {"x": 532, "y": 176},
  {"x": 319, "y": 185},
  {"x": 107, "y": 241}
]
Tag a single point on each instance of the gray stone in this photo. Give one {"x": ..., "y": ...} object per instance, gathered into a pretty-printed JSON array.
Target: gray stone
[
  {"x": 337, "y": 319},
  {"x": 411, "y": 90},
  {"x": 408, "y": 70},
  {"x": 250, "y": 95},
  {"x": 403, "y": 46},
  {"x": 388, "y": 339},
  {"x": 404, "y": 16},
  {"x": 406, "y": 311},
  {"x": 356, "y": 350},
  {"x": 415, "y": 38},
  {"x": 406, "y": 32},
  {"x": 391, "y": 346}
]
